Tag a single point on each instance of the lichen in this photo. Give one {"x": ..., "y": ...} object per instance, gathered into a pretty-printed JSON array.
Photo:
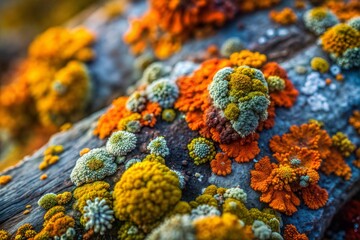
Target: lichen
[
  {"x": 158, "y": 147},
  {"x": 201, "y": 150},
  {"x": 132, "y": 198},
  {"x": 121, "y": 143},
  {"x": 93, "y": 166},
  {"x": 98, "y": 215}
]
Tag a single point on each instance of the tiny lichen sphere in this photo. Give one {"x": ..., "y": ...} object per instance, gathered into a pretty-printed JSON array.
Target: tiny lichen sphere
[
  {"x": 158, "y": 147},
  {"x": 154, "y": 72},
  {"x": 168, "y": 115},
  {"x": 98, "y": 215},
  {"x": 319, "y": 64},
  {"x": 201, "y": 150},
  {"x": 121, "y": 143},
  {"x": 93, "y": 166},
  {"x": 275, "y": 83},
  {"x": 319, "y": 19},
  {"x": 163, "y": 91},
  {"x": 230, "y": 46},
  {"x": 146, "y": 192}
]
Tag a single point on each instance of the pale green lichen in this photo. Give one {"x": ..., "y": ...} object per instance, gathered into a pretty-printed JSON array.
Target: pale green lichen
[
  {"x": 158, "y": 147},
  {"x": 230, "y": 46},
  {"x": 121, "y": 143},
  {"x": 154, "y": 72},
  {"x": 131, "y": 162},
  {"x": 136, "y": 102},
  {"x": 178, "y": 227},
  {"x": 275, "y": 83},
  {"x": 204, "y": 210},
  {"x": 318, "y": 20},
  {"x": 236, "y": 193},
  {"x": 98, "y": 215},
  {"x": 163, "y": 91},
  {"x": 93, "y": 166},
  {"x": 354, "y": 23}
]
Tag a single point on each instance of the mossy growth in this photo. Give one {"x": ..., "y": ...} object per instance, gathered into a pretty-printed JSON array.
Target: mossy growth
[{"x": 201, "y": 150}]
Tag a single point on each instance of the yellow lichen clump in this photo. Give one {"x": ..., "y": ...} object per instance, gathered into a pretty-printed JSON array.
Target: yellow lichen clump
[
  {"x": 246, "y": 57},
  {"x": 319, "y": 64},
  {"x": 51, "y": 156},
  {"x": 146, "y": 192},
  {"x": 225, "y": 227}
]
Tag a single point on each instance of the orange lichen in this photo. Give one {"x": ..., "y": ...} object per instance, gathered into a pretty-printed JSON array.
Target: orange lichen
[
  {"x": 244, "y": 150},
  {"x": 284, "y": 17},
  {"x": 5, "y": 179},
  {"x": 221, "y": 165},
  {"x": 167, "y": 25},
  {"x": 43, "y": 176},
  {"x": 309, "y": 136},
  {"x": 295, "y": 173},
  {"x": 336, "y": 164},
  {"x": 51, "y": 156},
  {"x": 84, "y": 151},
  {"x": 300, "y": 154},
  {"x": 354, "y": 120},
  {"x": 291, "y": 233},
  {"x": 109, "y": 122},
  {"x": 248, "y": 58},
  {"x": 344, "y": 10}
]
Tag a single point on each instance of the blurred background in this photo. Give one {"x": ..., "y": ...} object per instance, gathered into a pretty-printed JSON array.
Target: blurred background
[{"x": 22, "y": 20}]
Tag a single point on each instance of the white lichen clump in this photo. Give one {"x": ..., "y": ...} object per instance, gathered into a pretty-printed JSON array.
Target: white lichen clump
[
  {"x": 93, "y": 166},
  {"x": 121, "y": 143},
  {"x": 158, "y": 147},
  {"x": 204, "y": 210},
  {"x": 178, "y": 227},
  {"x": 236, "y": 193},
  {"x": 99, "y": 216}
]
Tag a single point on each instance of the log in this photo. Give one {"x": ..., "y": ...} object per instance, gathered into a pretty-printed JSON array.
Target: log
[{"x": 291, "y": 46}]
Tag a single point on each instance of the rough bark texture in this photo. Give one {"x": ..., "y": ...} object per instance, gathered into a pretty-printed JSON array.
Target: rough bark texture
[{"x": 294, "y": 47}]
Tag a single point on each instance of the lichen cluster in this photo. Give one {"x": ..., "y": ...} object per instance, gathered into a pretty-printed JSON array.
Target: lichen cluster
[{"x": 167, "y": 25}]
